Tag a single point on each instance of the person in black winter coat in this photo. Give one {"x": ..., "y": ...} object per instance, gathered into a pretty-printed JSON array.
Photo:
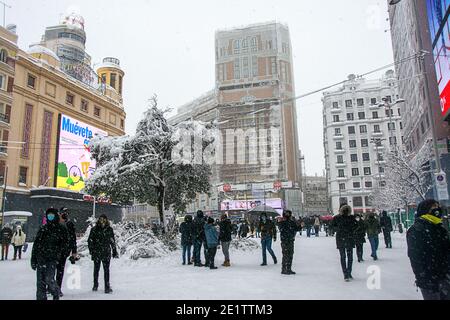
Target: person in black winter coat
[
  {"x": 101, "y": 243},
  {"x": 360, "y": 236},
  {"x": 244, "y": 230},
  {"x": 345, "y": 225},
  {"x": 187, "y": 238},
  {"x": 268, "y": 234},
  {"x": 225, "y": 230},
  {"x": 429, "y": 250},
  {"x": 386, "y": 226},
  {"x": 70, "y": 246},
  {"x": 200, "y": 239},
  {"x": 47, "y": 251},
  {"x": 288, "y": 229},
  {"x": 6, "y": 235}
]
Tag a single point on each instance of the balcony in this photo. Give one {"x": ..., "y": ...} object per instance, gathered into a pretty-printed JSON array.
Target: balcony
[
  {"x": 341, "y": 178},
  {"x": 3, "y": 151},
  {"x": 336, "y": 110},
  {"x": 341, "y": 165},
  {"x": 339, "y": 151},
  {"x": 4, "y": 120},
  {"x": 377, "y": 134},
  {"x": 338, "y": 137},
  {"x": 374, "y": 107}
]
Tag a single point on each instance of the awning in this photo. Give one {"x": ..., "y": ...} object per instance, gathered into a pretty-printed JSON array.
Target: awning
[{"x": 18, "y": 214}]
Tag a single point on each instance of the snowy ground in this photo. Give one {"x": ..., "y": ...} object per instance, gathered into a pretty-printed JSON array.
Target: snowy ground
[{"x": 316, "y": 262}]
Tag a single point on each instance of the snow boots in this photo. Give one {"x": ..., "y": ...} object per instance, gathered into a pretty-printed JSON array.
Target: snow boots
[
  {"x": 108, "y": 290},
  {"x": 226, "y": 263}
]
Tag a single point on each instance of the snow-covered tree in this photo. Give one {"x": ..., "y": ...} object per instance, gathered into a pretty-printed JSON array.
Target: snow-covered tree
[
  {"x": 142, "y": 168},
  {"x": 407, "y": 179}
]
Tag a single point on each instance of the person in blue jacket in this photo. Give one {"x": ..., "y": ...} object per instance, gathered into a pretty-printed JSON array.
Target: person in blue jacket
[{"x": 212, "y": 241}]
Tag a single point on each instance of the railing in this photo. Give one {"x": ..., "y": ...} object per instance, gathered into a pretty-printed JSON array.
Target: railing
[{"x": 4, "y": 118}]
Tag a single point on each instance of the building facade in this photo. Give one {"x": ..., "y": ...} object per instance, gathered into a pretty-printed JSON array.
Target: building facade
[
  {"x": 252, "y": 99},
  {"x": 315, "y": 196},
  {"x": 45, "y": 97},
  {"x": 357, "y": 134}
]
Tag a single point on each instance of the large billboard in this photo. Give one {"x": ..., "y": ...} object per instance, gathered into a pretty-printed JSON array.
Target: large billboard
[
  {"x": 438, "y": 12},
  {"x": 74, "y": 157},
  {"x": 244, "y": 205}
]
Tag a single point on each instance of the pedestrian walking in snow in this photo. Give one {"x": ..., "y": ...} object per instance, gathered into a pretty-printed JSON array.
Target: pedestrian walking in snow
[
  {"x": 373, "y": 230},
  {"x": 187, "y": 238},
  {"x": 428, "y": 250},
  {"x": 344, "y": 224},
  {"x": 386, "y": 226},
  {"x": 101, "y": 244},
  {"x": 244, "y": 229},
  {"x": 212, "y": 241},
  {"x": 70, "y": 246},
  {"x": 18, "y": 241},
  {"x": 47, "y": 251},
  {"x": 225, "y": 238},
  {"x": 317, "y": 226},
  {"x": 308, "y": 225},
  {"x": 268, "y": 233},
  {"x": 288, "y": 230},
  {"x": 360, "y": 236},
  {"x": 235, "y": 228},
  {"x": 6, "y": 235},
  {"x": 199, "y": 239}
]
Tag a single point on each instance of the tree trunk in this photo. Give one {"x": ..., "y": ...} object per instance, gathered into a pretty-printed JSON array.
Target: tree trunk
[{"x": 161, "y": 191}]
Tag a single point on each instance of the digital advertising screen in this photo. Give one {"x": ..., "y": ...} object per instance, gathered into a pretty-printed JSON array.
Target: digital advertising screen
[
  {"x": 438, "y": 11},
  {"x": 74, "y": 157}
]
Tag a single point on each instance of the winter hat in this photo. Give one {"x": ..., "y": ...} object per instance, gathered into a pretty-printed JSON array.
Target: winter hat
[
  {"x": 103, "y": 216},
  {"x": 425, "y": 207},
  {"x": 345, "y": 209},
  {"x": 188, "y": 218},
  {"x": 210, "y": 220},
  {"x": 287, "y": 213},
  {"x": 200, "y": 214}
]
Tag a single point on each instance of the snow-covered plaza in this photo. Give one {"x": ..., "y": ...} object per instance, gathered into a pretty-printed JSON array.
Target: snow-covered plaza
[{"x": 316, "y": 262}]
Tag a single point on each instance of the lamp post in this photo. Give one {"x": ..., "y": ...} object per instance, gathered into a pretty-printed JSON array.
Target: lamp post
[{"x": 427, "y": 94}]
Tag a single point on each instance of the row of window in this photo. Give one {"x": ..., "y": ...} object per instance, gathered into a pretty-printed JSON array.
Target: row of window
[
  {"x": 362, "y": 115},
  {"x": 356, "y": 185},
  {"x": 354, "y": 158},
  {"x": 357, "y": 201},
  {"x": 363, "y": 129},
  {"x": 364, "y": 143},
  {"x": 355, "y": 172},
  {"x": 70, "y": 99},
  {"x": 360, "y": 102}
]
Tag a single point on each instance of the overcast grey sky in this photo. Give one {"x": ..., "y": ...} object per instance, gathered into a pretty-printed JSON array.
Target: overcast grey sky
[{"x": 167, "y": 46}]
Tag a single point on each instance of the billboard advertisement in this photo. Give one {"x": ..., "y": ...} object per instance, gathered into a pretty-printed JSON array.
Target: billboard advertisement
[
  {"x": 74, "y": 158},
  {"x": 438, "y": 12},
  {"x": 245, "y": 205}
]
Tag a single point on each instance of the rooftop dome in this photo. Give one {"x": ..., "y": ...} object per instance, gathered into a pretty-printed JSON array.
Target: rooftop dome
[{"x": 38, "y": 49}]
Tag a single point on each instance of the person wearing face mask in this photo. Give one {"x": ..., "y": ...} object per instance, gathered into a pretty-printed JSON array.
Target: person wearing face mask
[
  {"x": 360, "y": 236},
  {"x": 101, "y": 243},
  {"x": 429, "y": 250},
  {"x": 18, "y": 241},
  {"x": 70, "y": 246},
  {"x": 47, "y": 251},
  {"x": 288, "y": 229},
  {"x": 268, "y": 233}
]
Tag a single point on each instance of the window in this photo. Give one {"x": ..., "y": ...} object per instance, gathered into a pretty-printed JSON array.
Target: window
[
  {"x": 120, "y": 84},
  {"x": 244, "y": 46},
  {"x": 368, "y": 184},
  {"x": 97, "y": 112},
  {"x": 122, "y": 123},
  {"x": 376, "y": 128},
  {"x": 335, "y": 118},
  {"x": 391, "y": 126},
  {"x": 254, "y": 44},
  {"x": 337, "y": 131},
  {"x": 113, "y": 80},
  {"x": 401, "y": 125},
  {"x": 387, "y": 112},
  {"x": 338, "y": 145},
  {"x": 364, "y": 143},
  {"x": 351, "y": 130},
  {"x": 245, "y": 73},
  {"x": 342, "y": 186},
  {"x": 380, "y": 157},
  {"x": 342, "y": 200},
  {"x": 355, "y": 172},
  {"x": 392, "y": 140},
  {"x": 360, "y": 102},
  {"x": 348, "y": 103},
  {"x": 103, "y": 77},
  {"x": 366, "y": 156},
  {"x": 358, "y": 202},
  {"x": 399, "y": 112},
  {"x": 31, "y": 82},
  {"x": 70, "y": 98},
  {"x": 367, "y": 171},
  {"x": 335, "y": 105},
  {"x": 3, "y": 56},
  {"x": 375, "y": 115},
  {"x": 381, "y": 169},
  {"x": 84, "y": 105},
  {"x": 255, "y": 66},
  {"x": 341, "y": 173},
  {"x": 389, "y": 99},
  {"x": 373, "y": 101},
  {"x": 361, "y": 115},
  {"x": 274, "y": 66},
  {"x": 356, "y": 185},
  {"x": 352, "y": 143},
  {"x": 236, "y": 47},
  {"x": 2, "y": 82},
  {"x": 237, "y": 69},
  {"x": 340, "y": 159},
  {"x": 354, "y": 158},
  {"x": 382, "y": 184},
  {"x": 363, "y": 129},
  {"x": 350, "y": 117},
  {"x": 23, "y": 175}
]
